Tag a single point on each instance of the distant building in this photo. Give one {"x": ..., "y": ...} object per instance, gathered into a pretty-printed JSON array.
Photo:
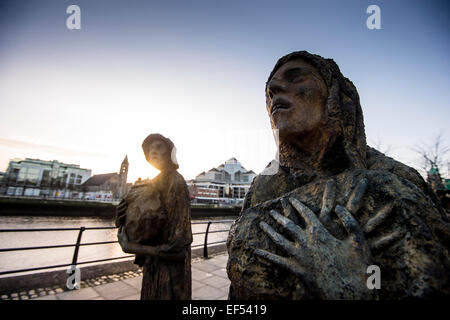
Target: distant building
[
  {"x": 34, "y": 177},
  {"x": 228, "y": 183},
  {"x": 107, "y": 186},
  {"x": 434, "y": 179}
]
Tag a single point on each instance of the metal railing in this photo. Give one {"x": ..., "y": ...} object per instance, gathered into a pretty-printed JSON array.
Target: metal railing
[{"x": 78, "y": 244}]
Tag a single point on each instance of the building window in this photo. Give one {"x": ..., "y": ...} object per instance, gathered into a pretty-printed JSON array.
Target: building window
[
  {"x": 218, "y": 176},
  {"x": 45, "y": 178},
  {"x": 14, "y": 175},
  {"x": 32, "y": 176},
  {"x": 245, "y": 178},
  {"x": 22, "y": 175}
]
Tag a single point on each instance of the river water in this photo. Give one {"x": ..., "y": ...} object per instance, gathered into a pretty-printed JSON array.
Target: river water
[{"x": 15, "y": 260}]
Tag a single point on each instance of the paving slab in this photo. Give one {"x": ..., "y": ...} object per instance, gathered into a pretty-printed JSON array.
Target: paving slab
[
  {"x": 200, "y": 275},
  {"x": 197, "y": 284},
  {"x": 81, "y": 294},
  {"x": 221, "y": 273},
  {"x": 135, "y": 282},
  {"x": 207, "y": 293},
  {"x": 115, "y": 290},
  {"x": 49, "y": 297},
  {"x": 207, "y": 267},
  {"x": 216, "y": 282},
  {"x": 132, "y": 297}
]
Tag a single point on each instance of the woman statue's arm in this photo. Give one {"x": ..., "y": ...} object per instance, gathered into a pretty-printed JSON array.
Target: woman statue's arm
[{"x": 136, "y": 248}]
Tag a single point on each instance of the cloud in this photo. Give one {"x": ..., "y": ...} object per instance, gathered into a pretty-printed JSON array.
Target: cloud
[{"x": 46, "y": 149}]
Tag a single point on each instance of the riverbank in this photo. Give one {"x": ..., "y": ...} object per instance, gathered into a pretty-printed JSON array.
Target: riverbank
[{"x": 77, "y": 208}]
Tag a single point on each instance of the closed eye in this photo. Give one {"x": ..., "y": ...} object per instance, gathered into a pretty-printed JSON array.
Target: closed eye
[
  {"x": 298, "y": 79},
  {"x": 295, "y": 75}
]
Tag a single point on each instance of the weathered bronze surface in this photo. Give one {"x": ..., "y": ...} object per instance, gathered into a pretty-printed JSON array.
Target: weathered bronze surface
[
  {"x": 155, "y": 224},
  {"x": 336, "y": 205}
]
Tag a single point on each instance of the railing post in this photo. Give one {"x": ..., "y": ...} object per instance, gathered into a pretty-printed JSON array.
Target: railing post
[
  {"x": 205, "y": 246},
  {"x": 74, "y": 278},
  {"x": 77, "y": 247}
]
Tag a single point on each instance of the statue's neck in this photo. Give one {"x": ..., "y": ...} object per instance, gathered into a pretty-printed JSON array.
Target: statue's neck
[{"x": 313, "y": 155}]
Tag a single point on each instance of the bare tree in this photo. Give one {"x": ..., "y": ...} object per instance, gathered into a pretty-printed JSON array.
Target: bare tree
[
  {"x": 433, "y": 157},
  {"x": 379, "y": 145}
]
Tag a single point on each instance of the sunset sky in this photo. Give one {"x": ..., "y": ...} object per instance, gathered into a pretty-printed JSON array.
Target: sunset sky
[{"x": 195, "y": 72}]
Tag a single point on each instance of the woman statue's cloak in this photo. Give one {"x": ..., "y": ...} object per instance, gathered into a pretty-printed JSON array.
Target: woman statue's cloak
[
  {"x": 415, "y": 263},
  {"x": 168, "y": 279}
]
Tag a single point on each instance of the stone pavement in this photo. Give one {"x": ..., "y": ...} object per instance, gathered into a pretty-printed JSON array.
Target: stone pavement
[{"x": 209, "y": 282}]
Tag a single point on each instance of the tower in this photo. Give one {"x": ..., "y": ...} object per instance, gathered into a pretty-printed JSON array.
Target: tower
[{"x": 123, "y": 173}]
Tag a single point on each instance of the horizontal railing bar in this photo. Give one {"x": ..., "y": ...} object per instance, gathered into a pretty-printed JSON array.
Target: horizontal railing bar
[
  {"x": 97, "y": 243},
  {"x": 57, "y": 246},
  {"x": 108, "y": 259},
  {"x": 214, "y": 231},
  {"x": 215, "y": 221},
  {"x": 35, "y": 269},
  {"x": 202, "y": 245},
  {"x": 223, "y": 241},
  {"x": 41, "y": 229},
  {"x": 41, "y": 247},
  {"x": 62, "y": 265},
  {"x": 55, "y": 229},
  {"x": 83, "y": 244}
]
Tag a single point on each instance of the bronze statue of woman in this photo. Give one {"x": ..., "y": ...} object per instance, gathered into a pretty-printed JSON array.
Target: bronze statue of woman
[
  {"x": 154, "y": 223},
  {"x": 336, "y": 207}
]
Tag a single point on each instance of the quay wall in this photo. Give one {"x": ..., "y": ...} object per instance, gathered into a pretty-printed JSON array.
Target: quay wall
[{"x": 74, "y": 208}]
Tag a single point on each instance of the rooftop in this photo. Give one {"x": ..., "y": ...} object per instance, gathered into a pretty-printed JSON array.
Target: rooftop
[{"x": 99, "y": 179}]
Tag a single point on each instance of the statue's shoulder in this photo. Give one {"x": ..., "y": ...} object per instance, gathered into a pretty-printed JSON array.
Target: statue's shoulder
[{"x": 380, "y": 162}]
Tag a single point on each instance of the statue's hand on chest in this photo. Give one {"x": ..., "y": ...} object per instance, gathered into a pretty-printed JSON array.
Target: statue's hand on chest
[{"x": 330, "y": 267}]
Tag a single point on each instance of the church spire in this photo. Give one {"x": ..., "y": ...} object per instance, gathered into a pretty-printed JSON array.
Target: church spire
[{"x": 123, "y": 174}]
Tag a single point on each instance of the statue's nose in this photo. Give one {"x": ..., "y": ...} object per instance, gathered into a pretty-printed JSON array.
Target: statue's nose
[{"x": 275, "y": 86}]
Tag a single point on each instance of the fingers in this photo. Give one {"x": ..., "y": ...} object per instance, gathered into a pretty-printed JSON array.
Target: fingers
[
  {"x": 278, "y": 239},
  {"x": 379, "y": 218},
  {"x": 281, "y": 261},
  {"x": 385, "y": 240},
  {"x": 309, "y": 216},
  {"x": 350, "y": 224},
  {"x": 355, "y": 200},
  {"x": 294, "y": 230},
  {"x": 328, "y": 199},
  {"x": 288, "y": 211}
]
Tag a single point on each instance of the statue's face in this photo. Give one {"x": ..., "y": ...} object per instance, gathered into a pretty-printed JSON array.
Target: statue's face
[
  {"x": 158, "y": 154},
  {"x": 296, "y": 99}
]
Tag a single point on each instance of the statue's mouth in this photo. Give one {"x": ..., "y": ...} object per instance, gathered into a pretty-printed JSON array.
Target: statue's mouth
[{"x": 279, "y": 104}]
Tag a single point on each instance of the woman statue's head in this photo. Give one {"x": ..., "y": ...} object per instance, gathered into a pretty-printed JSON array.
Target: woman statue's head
[
  {"x": 160, "y": 152},
  {"x": 310, "y": 102}
]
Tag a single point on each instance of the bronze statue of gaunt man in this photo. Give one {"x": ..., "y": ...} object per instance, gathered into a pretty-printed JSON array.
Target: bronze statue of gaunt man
[
  {"x": 154, "y": 223},
  {"x": 336, "y": 206}
]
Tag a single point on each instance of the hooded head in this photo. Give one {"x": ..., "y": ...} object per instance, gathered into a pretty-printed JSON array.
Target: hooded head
[
  {"x": 160, "y": 152},
  {"x": 323, "y": 104}
]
